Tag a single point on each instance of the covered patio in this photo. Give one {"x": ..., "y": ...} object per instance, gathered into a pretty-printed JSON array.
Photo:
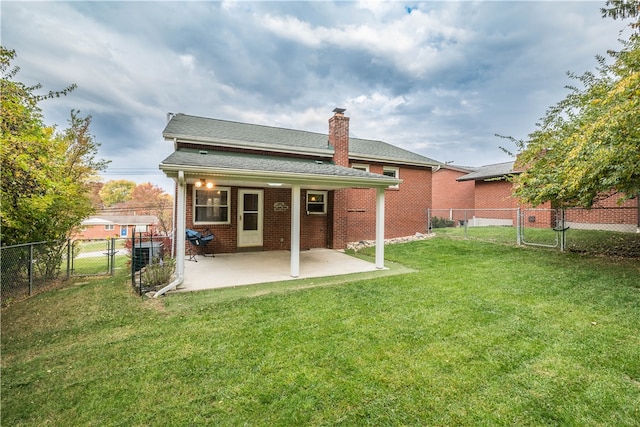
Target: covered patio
[
  {"x": 238, "y": 170},
  {"x": 248, "y": 268}
]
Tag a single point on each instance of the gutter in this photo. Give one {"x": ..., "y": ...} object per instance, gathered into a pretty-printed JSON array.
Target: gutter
[
  {"x": 179, "y": 237},
  {"x": 284, "y": 177}
]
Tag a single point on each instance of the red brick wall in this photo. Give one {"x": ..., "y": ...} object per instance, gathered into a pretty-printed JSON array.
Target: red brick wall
[
  {"x": 226, "y": 234},
  {"x": 99, "y": 232},
  {"x": 449, "y": 193},
  {"x": 493, "y": 194},
  {"x": 276, "y": 223},
  {"x": 497, "y": 195},
  {"x": 607, "y": 211},
  {"x": 405, "y": 207},
  {"x": 277, "y": 219}
]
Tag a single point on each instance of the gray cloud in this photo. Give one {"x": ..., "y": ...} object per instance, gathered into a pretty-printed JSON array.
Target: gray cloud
[{"x": 439, "y": 78}]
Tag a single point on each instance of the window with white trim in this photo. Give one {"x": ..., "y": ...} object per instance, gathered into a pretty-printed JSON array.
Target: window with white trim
[
  {"x": 316, "y": 202},
  {"x": 211, "y": 205},
  {"x": 360, "y": 167},
  {"x": 109, "y": 227},
  {"x": 393, "y": 172}
]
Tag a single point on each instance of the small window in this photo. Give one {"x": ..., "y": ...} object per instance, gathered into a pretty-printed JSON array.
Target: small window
[
  {"x": 211, "y": 206},
  {"x": 316, "y": 202},
  {"x": 109, "y": 227},
  {"x": 360, "y": 167},
  {"x": 393, "y": 172},
  {"x": 140, "y": 229}
]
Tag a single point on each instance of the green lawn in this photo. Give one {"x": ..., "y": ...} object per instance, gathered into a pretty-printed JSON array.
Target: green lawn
[
  {"x": 480, "y": 334},
  {"x": 593, "y": 242}
]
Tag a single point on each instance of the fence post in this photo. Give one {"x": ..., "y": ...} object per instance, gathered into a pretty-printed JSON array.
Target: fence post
[
  {"x": 68, "y": 258},
  {"x": 133, "y": 260},
  {"x": 140, "y": 239},
  {"x": 564, "y": 230},
  {"x": 518, "y": 231},
  {"x": 112, "y": 253},
  {"x": 429, "y": 228},
  {"x": 30, "y": 269},
  {"x": 465, "y": 223}
]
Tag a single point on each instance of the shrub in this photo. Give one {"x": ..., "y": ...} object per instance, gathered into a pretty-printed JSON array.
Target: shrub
[
  {"x": 437, "y": 222},
  {"x": 158, "y": 273}
]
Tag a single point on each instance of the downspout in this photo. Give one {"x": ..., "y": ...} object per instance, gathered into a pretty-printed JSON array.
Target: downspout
[{"x": 179, "y": 233}]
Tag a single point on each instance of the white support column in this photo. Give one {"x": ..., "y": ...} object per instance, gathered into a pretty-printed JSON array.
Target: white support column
[
  {"x": 180, "y": 222},
  {"x": 295, "y": 230},
  {"x": 380, "y": 228},
  {"x": 178, "y": 235}
]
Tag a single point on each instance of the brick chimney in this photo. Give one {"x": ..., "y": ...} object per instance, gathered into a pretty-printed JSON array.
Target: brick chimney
[
  {"x": 339, "y": 137},
  {"x": 339, "y": 140}
]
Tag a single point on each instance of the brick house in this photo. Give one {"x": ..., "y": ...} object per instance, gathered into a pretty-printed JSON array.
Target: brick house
[
  {"x": 108, "y": 226},
  {"x": 267, "y": 188},
  {"x": 492, "y": 191},
  {"x": 451, "y": 195}
]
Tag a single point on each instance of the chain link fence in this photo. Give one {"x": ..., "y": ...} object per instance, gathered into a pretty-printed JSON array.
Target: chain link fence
[
  {"x": 33, "y": 267},
  {"x": 152, "y": 266},
  {"x": 29, "y": 268},
  {"x": 609, "y": 231}
]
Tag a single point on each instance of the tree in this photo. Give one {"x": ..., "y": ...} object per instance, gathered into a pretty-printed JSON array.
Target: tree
[
  {"x": 587, "y": 146},
  {"x": 127, "y": 198},
  {"x": 45, "y": 174},
  {"x": 149, "y": 199},
  {"x": 116, "y": 191}
]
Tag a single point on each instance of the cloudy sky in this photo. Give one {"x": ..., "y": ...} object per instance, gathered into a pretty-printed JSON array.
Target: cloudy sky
[{"x": 437, "y": 78}]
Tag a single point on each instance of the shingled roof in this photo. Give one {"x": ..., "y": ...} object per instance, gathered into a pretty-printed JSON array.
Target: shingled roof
[
  {"x": 498, "y": 170},
  {"x": 283, "y": 169},
  {"x": 215, "y": 132}
]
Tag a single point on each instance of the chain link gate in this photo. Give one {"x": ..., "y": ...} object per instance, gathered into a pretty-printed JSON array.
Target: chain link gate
[{"x": 542, "y": 227}]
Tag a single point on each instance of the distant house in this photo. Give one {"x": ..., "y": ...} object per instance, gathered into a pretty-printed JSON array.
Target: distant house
[
  {"x": 107, "y": 226},
  {"x": 267, "y": 188},
  {"x": 492, "y": 189},
  {"x": 449, "y": 196},
  {"x": 493, "y": 202}
]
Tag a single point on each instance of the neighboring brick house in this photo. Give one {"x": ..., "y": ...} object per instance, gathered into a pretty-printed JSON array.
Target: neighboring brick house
[
  {"x": 267, "y": 188},
  {"x": 493, "y": 192},
  {"x": 107, "y": 226},
  {"x": 607, "y": 214},
  {"x": 450, "y": 195}
]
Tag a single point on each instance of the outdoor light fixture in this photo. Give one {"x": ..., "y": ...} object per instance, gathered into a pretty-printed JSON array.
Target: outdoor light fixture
[{"x": 202, "y": 183}]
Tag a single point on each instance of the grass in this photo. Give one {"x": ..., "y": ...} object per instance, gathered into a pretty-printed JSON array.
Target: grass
[
  {"x": 594, "y": 242},
  {"x": 479, "y": 334}
]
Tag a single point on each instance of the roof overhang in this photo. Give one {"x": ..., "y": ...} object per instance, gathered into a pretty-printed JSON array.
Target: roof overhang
[
  {"x": 499, "y": 177},
  {"x": 234, "y": 169},
  {"x": 368, "y": 158}
]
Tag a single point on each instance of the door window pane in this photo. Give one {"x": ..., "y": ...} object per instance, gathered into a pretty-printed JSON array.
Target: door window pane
[
  {"x": 250, "y": 202},
  {"x": 250, "y": 222}
]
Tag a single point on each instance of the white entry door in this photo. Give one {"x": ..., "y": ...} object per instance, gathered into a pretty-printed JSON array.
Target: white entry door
[{"x": 250, "y": 216}]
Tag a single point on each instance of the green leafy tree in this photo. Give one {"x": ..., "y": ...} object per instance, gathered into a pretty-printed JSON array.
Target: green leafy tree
[
  {"x": 117, "y": 191},
  {"x": 587, "y": 146},
  {"x": 46, "y": 175}
]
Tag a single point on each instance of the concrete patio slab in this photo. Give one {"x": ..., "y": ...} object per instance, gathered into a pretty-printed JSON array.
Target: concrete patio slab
[{"x": 248, "y": 268}]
